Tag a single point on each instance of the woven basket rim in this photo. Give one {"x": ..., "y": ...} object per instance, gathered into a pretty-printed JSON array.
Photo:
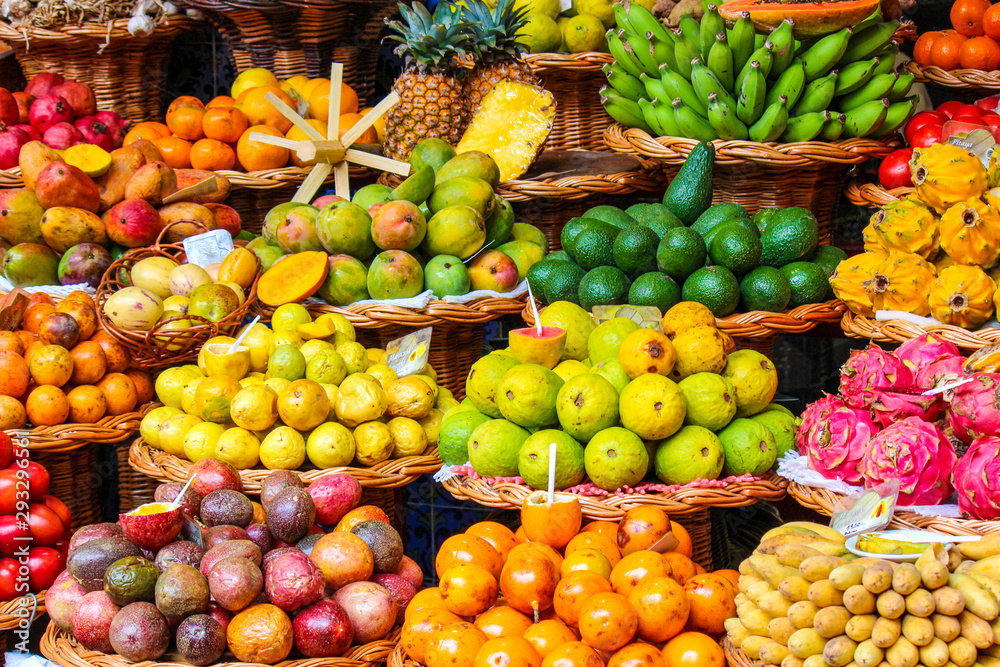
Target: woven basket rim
[
  {"x": 855, "y": 325},
  {"x": 867, "y": 194},
  {"x": 956, "y": 78},
  {"x": 507, "y": 495},
  {"x": 10, "y": 616},
  {"x": 823, "y": 501},
  {"x": 398, "y": 658},
  {"x": 584, "y": 61},
  {"x": 60, "y": 647},
  {"x": 70, "y": 436},
  {"x": 111, "y": 30},
  {"x": 735, "y": 657},
  {"x": 675, "y": 150},
  {"x": 390, "y": 474}
]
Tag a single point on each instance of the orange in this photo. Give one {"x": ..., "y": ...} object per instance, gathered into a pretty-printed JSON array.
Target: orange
[
  {"x": 29, "y": 351},
  {"x": 117, "y": 356},
  {"x": 86, "y": 404},
  {"x": 319, "y": 100},
  {"x": 641, "y": 528},
  {"x": 119, "y": 392},
  {"x": 637, "y": 655},
  {"x": 498, "y": 535},
  {"x": 420, "y": 626},
  {"x": 144, "y": 131},
  {"x": 519, "y": 536},
  {"x": 34, "y": 316},
  {"x": 213, "y": 155},
  {"x": 26, "y": 338},
  {"x": 16, "y": 374},
  {"x": 220, "y": 102},
  {"x": 349, "y": 120},
  {"x": 468, "y": 549},
  {"x": 468, "y": 589},
  {"x": 607, "y": 528},
  {"x": 732, "y": 576},
  {"x": 981, "y": 53},
  {"x": 693, "y": 649},
  {"x": 503, "y": 621},
  {"x": 586, "y": 560},
  {"x": 185, "y": 122},
  {"x": 144, "y": 389},
  {"x": 662, "y": 607},
  {"x": 553, "y": 524},
  {"x": 51, "y": 365},
  {"x": 255, "y": 155},
  {"x": 546, "y": 636},
  {"x": 575, "y": 589},
  {"x": 698, "y": 569},
  {"x": 712, "y": 600},
  {"x": 296, "y": 134},
  {"x": 89, "y": 362},
  {"x": 922, "y": 47},
  {"x": 635, "y": 567},
  {"x": 47, "y": 406},
  {"x": 84, "y": 314},
  {"x": 684, "y": 546},
  {"x": 607, "y": 621},
  {"x": 508, "y": 652},
  {"x": 426, "y": 598},
  {"x": 11, "y": 342},
  {"x": 12, "y": 414},
  {"x": 573, "y": 654},
  {"x": 185, "y": 101},
  {"x": 945, "y": 51},
  {"x": 991, "y": 22},
  {"x": 594, "y": 540},
  {"x": 226, "y": 124},
  {"x": 261, "y": 112},
  {"x": 176, "y": 152},
  {"x": 551, "y": 553},
  {"x": 379, "y": 125},
  {"x": 528, "y": 581},
  {"x": 454, "y": 645},
  {"x": 967, "y": 16},
  {"x": 682, "y": 568},
  {"x": 261, "y": 633}
]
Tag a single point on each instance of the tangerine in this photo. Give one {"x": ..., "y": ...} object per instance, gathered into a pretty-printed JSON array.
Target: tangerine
[
  {"x": 468, "y": 589},
  {"x": 51, "y": 365},
  {"x": 684, "y": 546},
  {"x": 991, "y": 22},
  {"x": 120, "y": 393},
  {"x": 528, "y": 581},
  {"x": 468, "y": 549},
  {"x": 454, "y": 645},
  {"x": 259, "y": 111},
  {"x": 220, "y": 102},
  {"x": 575, "y": 589},
  {"x": 87, "y": 404},
  {"x": 502, "y": 621},
  {"x": 89, "y": 362},
  {"x": 185, "y": 101},
  {"x": 712, "y": 600},
  {"x": 637, "y": 655},
  {"x": 607, "y": 621},
  {"x": 256, "y": 155},
  {"x": 967, "y": 16},
  {"x": 594, "y": 540},
  {"x": 573, "y": 654},
  {"x": 982, "y": 53},
  {"x": 212, "y": 155},
  {"x": 498, "y": 535},
  {"x": 142, "y": 134},
  {"x": 507, "y": 652},
  {"x": 682, "y": 568},
  {"x": 662, "y": 607},
  {"x": 118, "y": 358},
  {"x": 261, "y": 633},
  {"x": 11, "y": 342},
  {"x": 635, "y": 567},
  {"x": 185, "y": 122},
  {"x": 546, "y": 636},
  {"x": 226, "y": 124},
  {"x": 349, "y": 120},
  {"x": 553, "y": 523},
  {"x": 641, "y": 528},
  {"x": 143, "y": 386},
  {"x": 47, "y": 406},
  {"x": 12, "y": 414},
  {"x": 693, "y": 649},
  {"x": 426, "y": 598},
  {"x": 319, "y": 100},
  {"x": 945, "y": 51},
  {"x": 420, "y": 627},
  {"x": 33, "y": 317},
  {"x": 176, "y": 152},
  {"x": 922, "y": 47},
  {"x": 16, "y": 374}
]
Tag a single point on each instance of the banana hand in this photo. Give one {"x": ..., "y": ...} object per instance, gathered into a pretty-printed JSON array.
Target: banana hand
[
  {"x": 772, "y": 122},
  {"x": 791, "y": 83},
  {"x": 901, "y": 88},
  {"x": 643, "y": 50},
  {"x": 691, "y": 124},
  {"x": 750, "y": 102},
  {"x": 667, "y": 118},
  {"x": 705, "y": 83},
  {"x": 649, "y": 115},
  {"x": 822, "y": 56},
  {"x": 625, "y": 112},
  {"x": 833, "y": 128},
  {"x": 624, "y": 83},
  {"x": 855, "y": 75},
  {"x": 643, "y": 21},
  {"x": 877, "y": 87},
  {"x": 764, "y": 57},
  {"x": 626, "y": 59},
  {"x": 685, "y": 51},
  {"x": 724, "y": 121},
  {"x": 896, "y": 116},
  {"x": 683, "y": 89},
  {"x": 817, "y": 94},
  {"x": 866, "y": 119},
  {"x": 866, "y": 42},
  {"x": 804, "y": 128}
]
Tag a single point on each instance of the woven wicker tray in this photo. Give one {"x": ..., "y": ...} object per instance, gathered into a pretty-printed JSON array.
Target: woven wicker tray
[
  {"x": 60, "y": 647},
  {"x": 736, "y": 657},
  {"x": 11, "y": 615},
  {"x": 872, "y": 195},
  {"x": 67, "y": 437},
  {"x": 389, "y": 474},
  {"x": 900, "y": 331},
  {"x": 506, "y": 495},
  {"x": 956, "y": 78}
]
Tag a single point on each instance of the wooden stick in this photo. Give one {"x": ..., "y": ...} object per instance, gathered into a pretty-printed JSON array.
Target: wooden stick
[
  {"x": 369, "y": 118},
  {"x": 205, "y": 187},
  {"x": 311, "y": 184},
  {"x": 377, "y": 162},
  {"x": 297, "y": 120},
  {"x": 342, "y": 180},
  {"x": 333, "y": 119},
  {"x": 290, "y": 144}
]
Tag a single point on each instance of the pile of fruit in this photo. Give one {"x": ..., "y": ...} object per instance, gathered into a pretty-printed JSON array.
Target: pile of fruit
[
  {"x": 971, "y": 44},
  {"x": 929, "y": 254},
  {"x": 556, "y": 594},
  {"x": 59, "y": 113},
  {"x": 46, "y": 532},
  {"x": 61, "y": 367},
  {"x": 884, "y": 426},
  {"x": 304, "y": 390},
  {"x": 706, "y": 81},
  {"x": 213, "y": 571},
  {"x": 164, "y": 295},
  {"x": 548, "y": 28},
  {"x": 719, "y": 255},
  {"x": 396, "y": 243},
  {"x": 620, "y": 402},
  {"x": 804, "y": 599}
]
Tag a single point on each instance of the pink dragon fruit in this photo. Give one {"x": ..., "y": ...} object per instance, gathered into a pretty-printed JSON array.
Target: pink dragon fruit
[
  {"x": 924, "y": 350},
  {"x": 890, "y": 407},
  {"x": 834, "y": 437},
  {"x": 943, "y": 371},
  {"x": 869, "y": 371},
  {"x": 976, "y": 479},
  {"x": 918, "y": 454},
  {"x": 975, "y": 408}
]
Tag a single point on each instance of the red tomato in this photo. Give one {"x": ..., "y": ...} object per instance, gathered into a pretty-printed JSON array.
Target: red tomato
[
  {"x": 62, "y": 546},
  {"x": 6, "y": 450},
  {"x": 969, "y": 117},
  {"x": 925, "y": 136},
  {"x": 8, "y": 579},
  {"x": 13, "y": 535},
  {"x": 950, "y": 108},
  {"x": 988, "y": 103},
  {"x": 44, "y": 565},
  {"x": 59, "y": 507},
  {"x": 8, "y": 491},
  {"x": 894, "y": 172},
  {"x": 992, "y": 121},
  {"x": 922, "y": 119},
  {"x": 46, "y": 526},
  {"x": 38, "y": 477}
]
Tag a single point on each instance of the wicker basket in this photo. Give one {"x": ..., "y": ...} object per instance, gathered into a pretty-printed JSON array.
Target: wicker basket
[
  {"x": 809, "y": 174},
  {"x": 150, "y": 348},
  {"x": 75, "y": 479},
  {"x": 126, "y": 73},
  {"x": 736, "y": 657},
  {"x": 974, "y": 83},
  {"x": 62, "y": 648},
  {"x": 134, "y": 488},
  {"x": 67, "y": 437},
  {"x": 873, "y": 195},
  {"x": 12, "y": 614},
  {"x": 157, "y": 464},
  {"x": 900, "y": 331}
]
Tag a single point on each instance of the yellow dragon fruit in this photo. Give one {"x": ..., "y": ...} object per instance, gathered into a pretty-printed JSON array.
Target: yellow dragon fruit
[
  {"x": 970, "y": 233},
  {"x": 901, "y": 282},
  {"x": 906, "y": 226},
  {"x": 870, "y": 238},
  {"x": 962, "y": 296},
  {"x": 944, "y": 174},
  {"x": 851, "y": 279},
  {"x": 993, "y": 170},
  {"x": 943, "y": 261}
]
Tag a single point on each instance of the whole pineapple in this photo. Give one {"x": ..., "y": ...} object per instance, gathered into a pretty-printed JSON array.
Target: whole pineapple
[
  {"x": 495, "y": 49},
  {"x": 431, "y": 95}
]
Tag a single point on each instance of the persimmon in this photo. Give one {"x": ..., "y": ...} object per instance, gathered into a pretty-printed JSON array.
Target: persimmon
[
  {"x": 503, "y": 621},
  {"x": 519, "y": 536},
  {"x": 498, "y": 535},
  {"x": 87, "y": 404},
  {"x": 553, "y": 555},
  {"x": 586, "y": 560},
  {"x": 607, "y": 621},
  {"x": 981, "y": 53},
  {"x": 119, "y": 392},
  {"x": 468, "y": 589},
  {"x": 730, "y": 575},
  {"x": 945, "y": 51},
  {"x": 256, "y": 155},
  {"x": 185, "y": 122},
  {"x": 89, "y": 362},
  {"x": 85, "y": 316},
  {"x": 641, "y": 528},
  {"x": 79, "y": 296},
  {"x": 468, "y": 549},
  {"x": 47, "y": 406},
  {"x": 548, "y": 635},
  {"x": 662, "y": 607},
  {"x": 573, "y": 590},
  {"x": 455, "y": 644},
  {"x": 712, "y": 600},
  {"x": 508, "y": 652},
  {"x": 967, "y": 16},
  {"x": 693, "y": 649},
  {"x": 595, "y": 540},
  {"x": 225, "y": 124},
  {"x": 573, "y": 654},
  {"x": 14, "y": 380},
  {"x": 212, "y": 155},
  {"x": 635, "y": 567},
  {"x": 26, "y": 338},
  {"x": 176, "y": 152}
]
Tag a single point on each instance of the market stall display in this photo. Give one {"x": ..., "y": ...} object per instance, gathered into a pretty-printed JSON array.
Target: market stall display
[{"x": 964, "y": 59}]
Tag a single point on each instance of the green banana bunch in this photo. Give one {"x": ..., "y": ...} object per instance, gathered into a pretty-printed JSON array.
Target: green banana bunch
[
  {"x": 877, "y": 87},
  {"x": 663, "y": 51},
  {"x": 680, "y": 87},
  {"x": 625, "y": 111},
  {"x": 805, "y": 127},
  {"x": 641, "y": 21},
  {"x": 624, "y": 83},
  {"x": 643, "y": 50},
  {"x": 764, "y": 57},
  {"x": 887, "y": 59},
  {"x": 784, "y": 47},
  {"x": 753, "y": 92},
  {"x": 741, "y": 41},
  {"x": 622, "y": 57},
  {"x": 901, "y": 87},
  {"x": 866, "y": 42},
  {"x": 825, "y": 53},
  {"x": 691, "y": 124},
  {"x": 896, "y": 116},
  {"x": 705, "y": 83},
  {"x": 772, "y": 122},
  {"x": 866, "y": 119},
  {"x": 721, "y": 61},
  {"x": 817, "y": 94},
  {"x": 666, "y": 117},
  {"x": 723, "y": 120},
  {"x": 855, "y": 75},
  {"x": 685, "y": 50},
  {"x": 649, "y": 115},
  {"x": 833, "y": 128},
  {"x": 711, "y": 25},
  {"x": 790, "y": 84}
]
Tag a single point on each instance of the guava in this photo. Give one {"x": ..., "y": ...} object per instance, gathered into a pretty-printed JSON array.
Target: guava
[
  {"x": 604, "y": 341},
  {"x": 587, "y": 404},
  {"x": 575, "y": 321},
  {"x": 484, "y": 378},
  {"x": 533, "y": 460},
  {"x": 527, "y": 395},
  {"x": 613, "y": 372},
  {"x": 694, "y": 452},
  {"x": 711, "y": 400},
  {"x": 782, "y": 427},
  {"x": 493, "y": 448},
  {"x": 616, "y": 458},
  {"x": 755, "y": 379},
  {"x": 453, "y": 437},
  {"x": 749, "y": 448}
]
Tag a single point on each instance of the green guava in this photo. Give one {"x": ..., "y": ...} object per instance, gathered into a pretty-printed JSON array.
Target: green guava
[
  {"x": 533, "y": 460},
  {"x": 749, "y": 448},
  {"x": 484, "y": 377},
  {"x": 694, "y": 452},
  {"x": 587, "y": 403},
  {"x": 493, "y": 448},
  {"x": 527, "y": 395},
  {"x": 711, "y": 400},
  {"x": 615, "y": 458},
  {"x": 453, "y": 437},
  {"x": 782, "y": 427}
]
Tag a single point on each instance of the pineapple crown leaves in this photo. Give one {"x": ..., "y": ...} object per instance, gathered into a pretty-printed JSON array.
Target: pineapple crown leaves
[
  {"x": 494, "y": 32},
  {"x": 431, "y": 42}
]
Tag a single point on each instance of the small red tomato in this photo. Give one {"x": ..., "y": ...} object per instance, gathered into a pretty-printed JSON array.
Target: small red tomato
[
  {"x": 967, "y": 117},
  {"x": 59, "y": 507},
  {"x": 988, "y": 103},
  {"x": 62, "y": 546},
  {"x": 894, "y": 172},
  {"x": 950, "y": 108},
  {"x": 922, "y": 119},
  {"x": 45, "y": 525},
  {"x": 6, "y": 450},
  {"x": 925, "y": 136},
  {"x": 38, "y": 478},
  {"x": 44, "y": 565},
  {"x": 14, "y": 535},
  {"x": 992, "y": 121},
  {"x": 8, "y": 579},
  {"x": 8, "y": 491}
]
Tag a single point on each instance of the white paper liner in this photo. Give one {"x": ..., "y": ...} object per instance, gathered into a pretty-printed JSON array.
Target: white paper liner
[
  {"x": 54, "y": 290},
  {"x": 424, "y": 299}
]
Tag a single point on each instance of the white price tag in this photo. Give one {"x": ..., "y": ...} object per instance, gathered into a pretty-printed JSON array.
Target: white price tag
[
  {"x": 408, "y": 355},
  {"x": 208, "y": 248}
]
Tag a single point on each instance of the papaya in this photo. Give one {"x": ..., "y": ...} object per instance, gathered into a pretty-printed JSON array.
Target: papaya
[
  {"x": 295, "y": 278},
  {"x": 812, "y": 19}
]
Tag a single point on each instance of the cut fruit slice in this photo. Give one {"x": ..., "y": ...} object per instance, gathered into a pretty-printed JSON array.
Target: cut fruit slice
[
  {"x": 88, "y": 158},
  {"x": 812, "y": 19},
  {"x": 294, "y": 278},
  {"x": 530, "y": 347},
  {"x": 153, "y": 525},
  {"x": 555, "y": 524}
]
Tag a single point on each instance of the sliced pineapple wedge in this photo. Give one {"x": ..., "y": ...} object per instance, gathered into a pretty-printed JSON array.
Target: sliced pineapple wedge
[{"x": 511, "y": 126}]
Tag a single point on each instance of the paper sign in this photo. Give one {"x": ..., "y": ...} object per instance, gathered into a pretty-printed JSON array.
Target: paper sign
[
  {"x": 208, "y": 248},
  {"x": 647, "y": 317},
  {"x": 408, "y": 355},
  {"x": 866, "y": 511},
  {"x": 12, "y": 309}
]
